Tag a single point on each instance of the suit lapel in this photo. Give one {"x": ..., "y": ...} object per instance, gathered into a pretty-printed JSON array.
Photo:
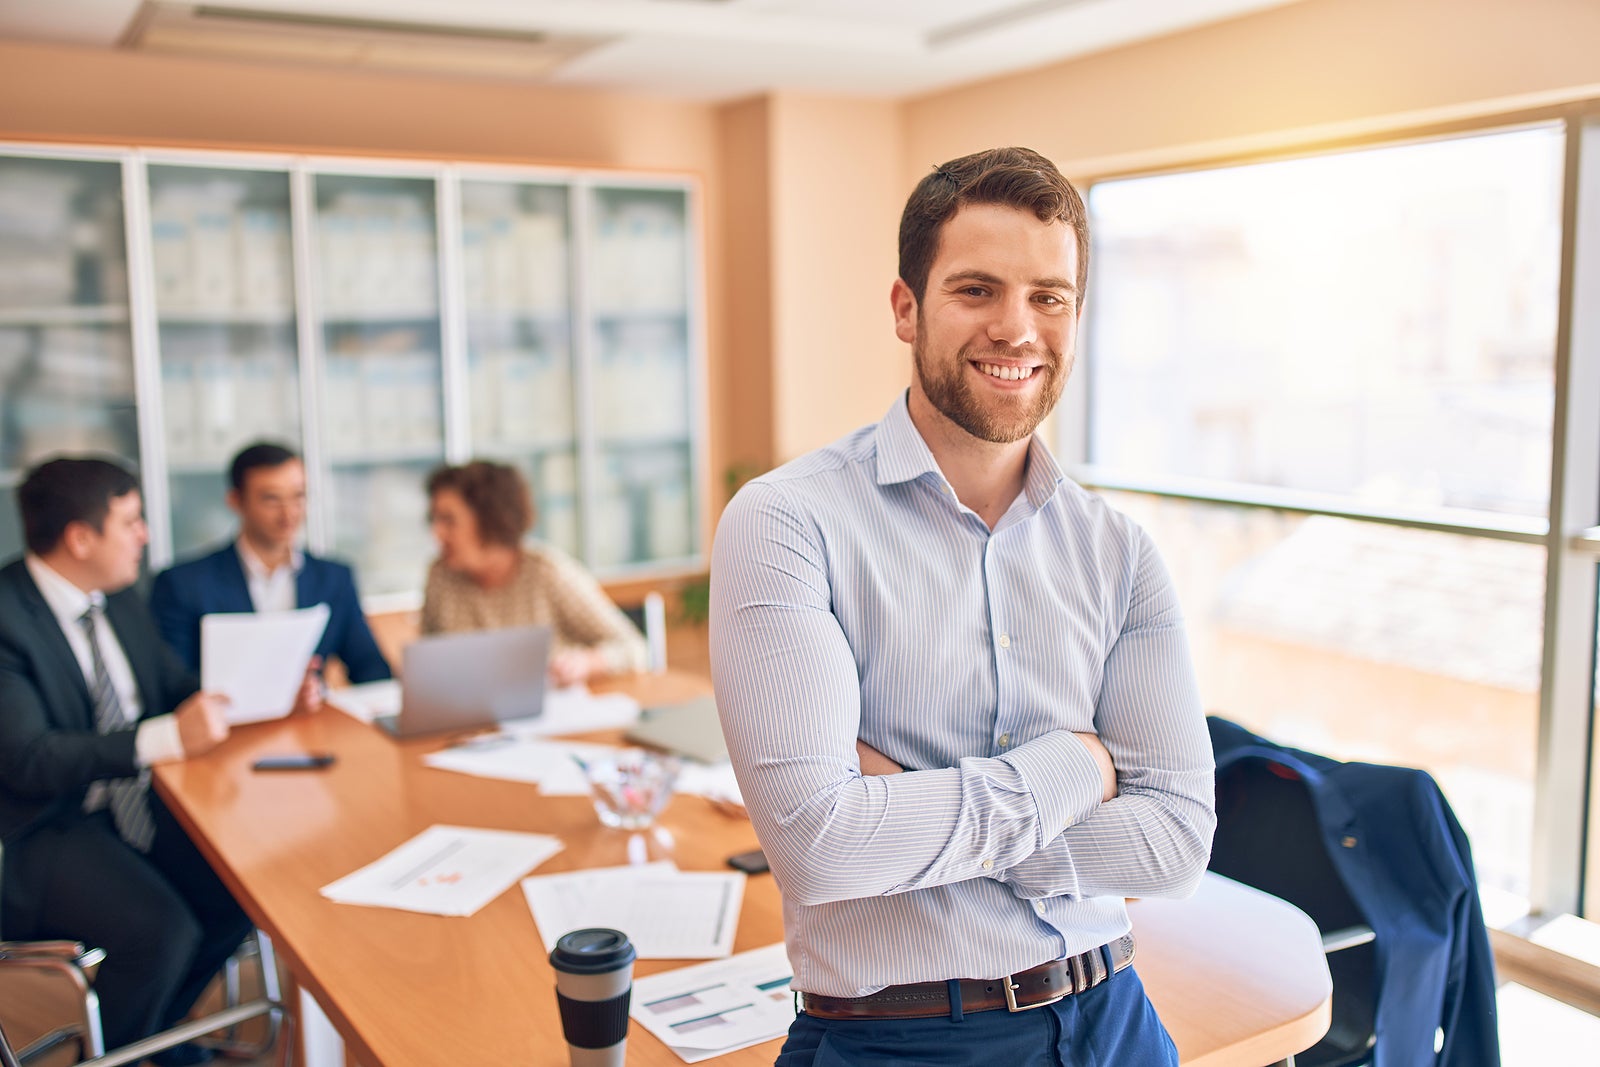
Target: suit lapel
[
  {"x": 231, "y": 572},
  {"x": 48, "y": 630},
  {"x": 133, "y": 634}
]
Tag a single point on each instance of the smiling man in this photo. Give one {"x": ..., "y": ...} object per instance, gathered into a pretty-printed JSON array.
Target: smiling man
[
  {"x": 955, "y": 685},
  {"x": 264, "y": 569}
]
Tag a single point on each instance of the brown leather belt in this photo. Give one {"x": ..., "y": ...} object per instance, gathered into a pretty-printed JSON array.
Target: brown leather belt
[{"x": 1033, "y": 988}]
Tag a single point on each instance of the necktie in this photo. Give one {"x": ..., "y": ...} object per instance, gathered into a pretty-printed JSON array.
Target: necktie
[{"x": 129, "y": 797}]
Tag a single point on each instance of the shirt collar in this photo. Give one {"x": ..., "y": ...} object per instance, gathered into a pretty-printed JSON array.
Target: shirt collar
[
  {"x": 903, "y": 456},
  {"x": 1044, "y": 474},
  {"x": 67, "y": 602},
  {"x": 257, "y": 569}
]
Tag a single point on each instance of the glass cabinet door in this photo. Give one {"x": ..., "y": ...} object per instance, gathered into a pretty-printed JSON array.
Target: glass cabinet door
[
  {"x": 516, "y": 268},
  {"x": 224, "y": 293},
  {"x": 638, "y": 281},
  {"x": 66, "y": 354},
  {"x": 382, "y": 417}
]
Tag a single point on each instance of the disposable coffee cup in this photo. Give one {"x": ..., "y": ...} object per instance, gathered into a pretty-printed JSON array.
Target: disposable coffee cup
[{"x": 594, "y": 977}]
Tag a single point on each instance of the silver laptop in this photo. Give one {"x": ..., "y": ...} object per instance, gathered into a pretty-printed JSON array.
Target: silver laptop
[
  {"x": 461, "y": 681},
  {"x": 688, "y": 729}
]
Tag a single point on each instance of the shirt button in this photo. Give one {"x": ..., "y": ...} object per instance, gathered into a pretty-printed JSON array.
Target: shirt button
[
  {"x": 1005, "y": 641},
  {"x": 1005, "y": 739},
  {"x": 1038, "y": 906},
  {"x": 988, "y": 865}
]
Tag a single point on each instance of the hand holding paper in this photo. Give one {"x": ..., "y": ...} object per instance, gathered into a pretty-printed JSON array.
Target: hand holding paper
[{"x": 258, "y": 661}]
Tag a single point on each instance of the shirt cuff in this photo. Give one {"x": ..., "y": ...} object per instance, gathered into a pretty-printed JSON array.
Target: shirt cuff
[
  {"x": 1063, "y": 778},
  {"x": 158, "y": 741}
]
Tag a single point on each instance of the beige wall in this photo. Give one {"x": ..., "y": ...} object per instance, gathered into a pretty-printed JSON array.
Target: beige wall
[
  {"x": 1334, "y": 66},
  {"x": 836, "y": 213},
  {"x": 813, "y": 209},
  {"x": 746, "y": 169},
  {"x": 72, "y": 93}
]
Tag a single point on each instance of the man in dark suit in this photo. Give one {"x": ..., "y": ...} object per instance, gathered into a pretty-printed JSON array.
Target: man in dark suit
[
  {"x": 90, "y": 698},
  {"x": 264, "y": 571}
]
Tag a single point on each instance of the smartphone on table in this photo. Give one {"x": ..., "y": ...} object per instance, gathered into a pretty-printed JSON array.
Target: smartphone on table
[
  {"x": 752, "y": 862},
  {"x": 294, "y": 761}
]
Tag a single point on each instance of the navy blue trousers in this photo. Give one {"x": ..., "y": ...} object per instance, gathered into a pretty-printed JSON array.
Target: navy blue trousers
[{"x": 1111, "y": 1025}]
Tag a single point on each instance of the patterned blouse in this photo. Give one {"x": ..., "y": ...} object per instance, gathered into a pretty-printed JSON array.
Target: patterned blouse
[{"x": 549, "y": 587}]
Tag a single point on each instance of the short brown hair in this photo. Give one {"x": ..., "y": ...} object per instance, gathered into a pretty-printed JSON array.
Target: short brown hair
[
  {"x": 56, "y": 494},
  {"x": 496, "y": 495},
  {"x": 1015, "y": 177}
]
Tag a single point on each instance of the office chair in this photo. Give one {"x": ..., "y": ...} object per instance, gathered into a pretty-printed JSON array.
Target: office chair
[
  {"x": 1268, "y": 837},
  {"x": 8, "y": 1058},
  {"x": 50, "y": 1016},
  {"x": 651, "y": 619}
]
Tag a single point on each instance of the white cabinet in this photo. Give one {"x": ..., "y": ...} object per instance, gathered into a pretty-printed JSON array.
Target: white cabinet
[
  {"x": 66, "y": 355},
  {"x": 222, "y": 282},
  {"x": 382, "y": 317}
]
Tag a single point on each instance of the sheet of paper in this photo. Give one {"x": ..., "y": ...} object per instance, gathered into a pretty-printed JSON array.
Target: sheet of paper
[
  {"x": 368, "y": 700},
  {"x": 714, "y": 781},
  {"x": 445, "y": 870},
  {"x": 713, "y": 1008},
  {"x": 259, "y": 658},
  {"x": 668, "y": 914},
  {"x": 575, "y": 710},
  {"x": 548, "y": 764}
]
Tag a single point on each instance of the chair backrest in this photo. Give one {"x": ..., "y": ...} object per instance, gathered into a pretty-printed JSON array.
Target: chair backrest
[
  {"x": 651, "y": 619},
  {"x": 1268, "y": 836},
  {"x": 8, "y": 1057}
]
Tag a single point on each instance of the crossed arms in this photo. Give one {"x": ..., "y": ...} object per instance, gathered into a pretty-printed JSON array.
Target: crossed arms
[{"x": 1039, "y": 818}]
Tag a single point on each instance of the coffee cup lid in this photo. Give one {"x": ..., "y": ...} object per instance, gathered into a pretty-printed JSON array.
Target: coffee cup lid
[{"x": 592, "y": 951}]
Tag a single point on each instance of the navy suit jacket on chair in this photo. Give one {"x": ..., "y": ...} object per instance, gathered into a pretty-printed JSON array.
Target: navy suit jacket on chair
[
  {"x": 1407, "y": 864},
  {"x": 217, "y": 584}
]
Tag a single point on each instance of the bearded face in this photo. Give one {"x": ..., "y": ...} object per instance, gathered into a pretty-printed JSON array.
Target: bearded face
[
  {"x": 995, "y": 416},
  {"x": 993, "y": 333}
]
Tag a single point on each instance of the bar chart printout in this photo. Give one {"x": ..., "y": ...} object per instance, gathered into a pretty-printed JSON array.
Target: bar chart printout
[{"x": 713, "y": 1008}]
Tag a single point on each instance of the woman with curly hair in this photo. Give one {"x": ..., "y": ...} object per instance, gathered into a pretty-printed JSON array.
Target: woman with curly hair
[{"x": 486, "y": 577}]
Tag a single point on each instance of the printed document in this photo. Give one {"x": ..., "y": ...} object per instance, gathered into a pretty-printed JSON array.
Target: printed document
[
  {"x": 445, "y": 870},
  {"x": 575, "y": 710},
  {"x": 552, "y": 765},
  {"x": 668, "y": 914},
  {"x": 259, "y": 658},
  {"x": 713, "y": 1008},
  {"x": 369, "y": 700}
]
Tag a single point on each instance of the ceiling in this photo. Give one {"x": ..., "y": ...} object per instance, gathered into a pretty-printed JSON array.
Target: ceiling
[{"x": 701, "y": 49}]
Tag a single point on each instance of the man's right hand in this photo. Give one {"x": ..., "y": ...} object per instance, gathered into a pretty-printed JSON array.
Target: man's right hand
[
  {"x": 1108, "y": 771},
  {"x": 202, "y": 723},
  {"x": 875, "y": 762}
]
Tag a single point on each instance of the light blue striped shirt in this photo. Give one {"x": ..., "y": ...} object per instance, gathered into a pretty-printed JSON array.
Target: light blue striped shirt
[{"x": 853, "y": 596}]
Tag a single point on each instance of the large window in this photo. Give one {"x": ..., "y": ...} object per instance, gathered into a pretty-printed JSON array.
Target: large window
[
  {"x": 1337, "y": 390},
  {"x": 1380, "y": 324}
]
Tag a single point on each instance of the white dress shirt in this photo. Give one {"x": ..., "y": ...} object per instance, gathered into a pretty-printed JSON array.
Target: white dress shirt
[
  {"x": 158, "y": 740},
  {"x": 853, "y": 595},
  {"x": 274, "y": 589}
]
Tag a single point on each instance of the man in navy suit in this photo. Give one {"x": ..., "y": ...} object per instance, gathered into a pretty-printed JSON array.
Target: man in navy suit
[
  {"x": 263, "y": 570},
  {"x": 90, "y": 699}
]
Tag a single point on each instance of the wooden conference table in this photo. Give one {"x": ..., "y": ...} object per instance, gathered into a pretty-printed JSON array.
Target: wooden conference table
[{"x": 1236, "y": 975}]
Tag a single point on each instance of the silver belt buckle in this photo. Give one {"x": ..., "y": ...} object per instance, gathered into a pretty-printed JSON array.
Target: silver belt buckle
[{"x": 1011, "y": 997}]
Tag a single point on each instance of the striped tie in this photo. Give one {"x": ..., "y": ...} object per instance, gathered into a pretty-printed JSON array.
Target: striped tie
[{"x": 129, "y": 799}]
